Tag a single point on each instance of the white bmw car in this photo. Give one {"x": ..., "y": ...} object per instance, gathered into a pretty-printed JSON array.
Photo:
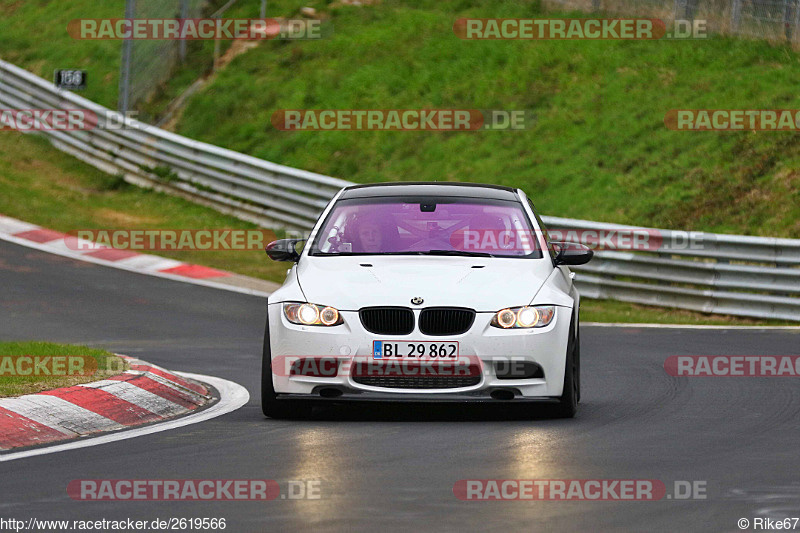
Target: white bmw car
[{"x": 424, "y": 292}]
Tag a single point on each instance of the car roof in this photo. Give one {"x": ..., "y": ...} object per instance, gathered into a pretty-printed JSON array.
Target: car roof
[{"x": 430, "y": 188}]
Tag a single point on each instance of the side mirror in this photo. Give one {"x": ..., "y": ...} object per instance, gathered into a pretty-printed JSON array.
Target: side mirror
[
  {"x": 283, "y": 250},
  {"x": 572, "y": 253}
]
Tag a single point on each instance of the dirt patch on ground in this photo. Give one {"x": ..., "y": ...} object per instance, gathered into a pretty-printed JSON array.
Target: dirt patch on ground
[
  {"x": 7, "y": 9},
  {"x": 46, "y": 172},
  {"x": 355, "y": 3},
  {"x": 124, "y": 219},
  {"x": 237, "y": 48},
  {"x": 175, "y": 109}
]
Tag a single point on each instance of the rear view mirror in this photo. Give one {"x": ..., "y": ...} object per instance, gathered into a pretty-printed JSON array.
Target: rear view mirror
[{"x": 572, "y": 253}]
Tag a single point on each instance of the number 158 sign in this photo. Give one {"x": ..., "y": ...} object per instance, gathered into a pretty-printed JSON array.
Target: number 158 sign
[{"x": 70, "y": 79}]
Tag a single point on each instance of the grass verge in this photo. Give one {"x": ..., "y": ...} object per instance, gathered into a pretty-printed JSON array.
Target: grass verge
[
  {"x": 19, "y": 376},
  {"x": 611, "y": 311}
]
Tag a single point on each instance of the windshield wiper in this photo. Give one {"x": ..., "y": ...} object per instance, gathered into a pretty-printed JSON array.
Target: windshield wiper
[{"x": 456, "y": 252}]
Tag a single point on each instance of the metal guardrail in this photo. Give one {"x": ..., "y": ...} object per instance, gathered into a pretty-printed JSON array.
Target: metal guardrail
[
  {"x": 708, "y": 272},
  {"x": 714, "y": 273},
  {"x": 238, "y": 184}
]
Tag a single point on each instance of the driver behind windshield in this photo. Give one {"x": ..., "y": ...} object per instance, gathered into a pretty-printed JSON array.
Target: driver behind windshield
[
  {"x": 370, "y": 236},
  {"x": 367, "y": 234}
]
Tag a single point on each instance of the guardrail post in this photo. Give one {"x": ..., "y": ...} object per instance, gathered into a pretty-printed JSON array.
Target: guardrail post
[
  {"x": 736, "y": 9},
  {"x": 679, "y": 10},
  {"x": 796, "y": 18},
  {"x": 691, "y": 8},
  {"x": 217, "y": 53},
  {"x": 182, "y": 42},
  {"x": 125, "y": 67}
]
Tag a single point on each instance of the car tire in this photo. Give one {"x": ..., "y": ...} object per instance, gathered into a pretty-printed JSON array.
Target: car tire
[
  {"x": 568, "y": 401},
  {"x": 271, "y": 406},
  {"x": 577, "y": 357}
]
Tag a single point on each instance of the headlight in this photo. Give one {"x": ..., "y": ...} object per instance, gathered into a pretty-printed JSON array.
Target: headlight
[
  {"x": 307, "y": 314},
  {"x": 524, "y": 317}
]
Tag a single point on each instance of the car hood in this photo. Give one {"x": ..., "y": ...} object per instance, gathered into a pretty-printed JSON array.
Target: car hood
[{"x": 486, "y": 285}]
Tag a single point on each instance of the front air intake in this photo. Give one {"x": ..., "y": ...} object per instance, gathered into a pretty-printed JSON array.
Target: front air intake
[
  {"x": 440, "y": 321},
  {"x": 387, "y": 320}
]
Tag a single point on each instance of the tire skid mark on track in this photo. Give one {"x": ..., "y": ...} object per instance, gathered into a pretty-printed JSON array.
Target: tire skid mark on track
[{"x": 775, "y": 502}]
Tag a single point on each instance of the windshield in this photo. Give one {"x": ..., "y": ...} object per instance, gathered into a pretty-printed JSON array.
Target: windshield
[{"x": 427, "y": 226}]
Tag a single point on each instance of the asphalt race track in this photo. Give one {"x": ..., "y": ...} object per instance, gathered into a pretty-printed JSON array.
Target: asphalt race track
[{"x": 393, "y": 468}]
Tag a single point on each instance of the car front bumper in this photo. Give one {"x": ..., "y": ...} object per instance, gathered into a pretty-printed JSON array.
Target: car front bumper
[{"x": 485, "y": 345}]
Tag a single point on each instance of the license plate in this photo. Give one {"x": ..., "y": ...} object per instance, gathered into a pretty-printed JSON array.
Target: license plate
[{"x": 440, "y": 351}]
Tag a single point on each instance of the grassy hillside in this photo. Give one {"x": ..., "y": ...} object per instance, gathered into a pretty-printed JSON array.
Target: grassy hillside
[
  {"x": 35, "y": 37},
  {"x": 598, "y": 150}
]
